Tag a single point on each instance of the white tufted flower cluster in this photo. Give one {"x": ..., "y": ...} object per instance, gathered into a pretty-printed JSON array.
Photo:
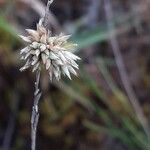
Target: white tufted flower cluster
[{"x": 50, "y": 51}]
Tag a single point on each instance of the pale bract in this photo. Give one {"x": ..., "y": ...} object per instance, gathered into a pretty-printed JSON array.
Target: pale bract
[{"x": 53, "y": 52}]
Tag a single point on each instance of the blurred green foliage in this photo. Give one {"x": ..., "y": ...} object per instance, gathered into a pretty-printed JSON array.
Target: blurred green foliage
[{"x": 89, "y": 108}]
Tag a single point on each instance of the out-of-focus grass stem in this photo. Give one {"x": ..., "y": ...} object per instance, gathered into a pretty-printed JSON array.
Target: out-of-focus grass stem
[{"x": 122, "y": 70}]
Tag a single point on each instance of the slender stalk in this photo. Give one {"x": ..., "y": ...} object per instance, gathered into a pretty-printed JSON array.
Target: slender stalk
[
  {"x": 35, "y": 111},
  {"x": 45, "y": 21},
  {"x": 37, "y": 93},
  {"x": 122, "y": 70}
]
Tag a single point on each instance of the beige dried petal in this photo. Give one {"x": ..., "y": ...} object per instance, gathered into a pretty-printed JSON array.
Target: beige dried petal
[
  {"x": 59, "y": 62},
  {"x": 36, "y": 67},
  {"x": 72, "y": 70},
  {"x": 34, "y": 60},
  {"x": 27, "y": 65},
  {"x": 43, "y": 47},
  {"x": 37, "y": 52},
  {"x": 51, "y": 40},
  {"x": 50, "y": 73},
  {"x": 33, "y": 34},
  {"x": 32, "y": 52},
  {"x": 69, "y": 46},
  {"x": 27, "y": 55},
  {"x": 53, "y": 56},
  {"x": 64, "y": 38},
  {"x": 61, "y": 39},
  {"x": 44, "y": 58},
  {"x": 66, "y": 71},
  {"x": 57, "y": 48},
  {"x": 35, "y": 45},
  {"x": 71, "y": 55},
  {"x": 57, "y": 73},
  {"x": 48, "y": 63},
  {"x": 26, "y": 39},
  {"x": 43, "y": 38},
  {"x": 74, "y": 64},
  {"x": 47, "y": 52},
  {"x": 41, "y": 30},
  {"x": 62, "y": 57},
  {"x": 25, "y": 50}
]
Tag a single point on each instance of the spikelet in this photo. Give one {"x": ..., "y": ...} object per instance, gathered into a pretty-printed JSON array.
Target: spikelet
[{"x": 50, "y": 51}]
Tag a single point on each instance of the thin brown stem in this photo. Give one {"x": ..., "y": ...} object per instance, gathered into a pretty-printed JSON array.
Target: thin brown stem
[
  {"x": 35, "y": 111},
  {"x": 37, "y": 93},
  {"x": 122, "y": 70},
  {"x": 45, "y": 21}
]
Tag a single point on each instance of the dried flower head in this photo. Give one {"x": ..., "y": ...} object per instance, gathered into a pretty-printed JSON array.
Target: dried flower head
[{"x": 50, "y": 51}]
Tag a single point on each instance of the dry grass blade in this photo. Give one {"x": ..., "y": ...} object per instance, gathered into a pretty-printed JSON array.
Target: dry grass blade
[{"x": 122, "y": 70}]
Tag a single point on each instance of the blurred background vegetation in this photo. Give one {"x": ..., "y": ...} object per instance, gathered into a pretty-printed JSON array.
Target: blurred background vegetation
[{"x": 95, "y": 110}]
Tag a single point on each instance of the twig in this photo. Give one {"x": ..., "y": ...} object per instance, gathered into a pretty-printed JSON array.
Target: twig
[
  {"x": 47, "y": 12},
  {"x": 35, "y": 111},
  {"x": 122, "y": 70},
  {"x": 39, "y": 7},
  {"x": 37, "y": 93}
]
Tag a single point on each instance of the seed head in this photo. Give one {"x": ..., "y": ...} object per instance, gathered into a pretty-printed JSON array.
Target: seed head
[{"x": 51, "y": 51}]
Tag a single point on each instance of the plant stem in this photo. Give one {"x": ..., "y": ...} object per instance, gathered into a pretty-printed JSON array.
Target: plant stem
[
  {"x": 45, "y": 21},
  {"x": 122, "y": 70},
  {"x": 37, "y": 93},
  {"x": 35, "y": 111}
]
